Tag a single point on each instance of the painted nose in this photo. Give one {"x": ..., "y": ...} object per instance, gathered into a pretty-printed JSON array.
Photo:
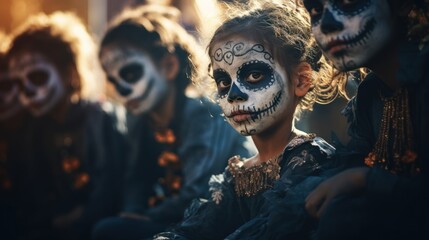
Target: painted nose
[
  {"x": 123, "y": 90},
  {"x": 329, "y": 24},
  {"x": 235, "y": 94}
]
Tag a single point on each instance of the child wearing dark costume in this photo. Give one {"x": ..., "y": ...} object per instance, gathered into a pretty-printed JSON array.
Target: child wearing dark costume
[
  {"x": 72, "y": 147},
  {"x": 385, "y": 195},
  {"x": 177, "y": 142},
  {"x": 12, "y": 118},
  {"x": 266, "y": 68}
]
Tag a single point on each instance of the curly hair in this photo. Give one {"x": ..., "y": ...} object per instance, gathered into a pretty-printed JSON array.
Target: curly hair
[
  {"x": 64, "y": 40},
  {"x": 156, "y": 30},
  {"x": 285, "y": 28}
]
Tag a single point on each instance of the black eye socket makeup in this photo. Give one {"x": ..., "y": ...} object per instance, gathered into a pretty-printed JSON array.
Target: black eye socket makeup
[
  {"x": 132, "y": 72},
  {"x": 350, "y": 7},
  {"x": 223, "y": 81},
  {"x": 315, "y": 9},
  {"x": 255, "y": 75},
  {"x": 38, "y": 77}
]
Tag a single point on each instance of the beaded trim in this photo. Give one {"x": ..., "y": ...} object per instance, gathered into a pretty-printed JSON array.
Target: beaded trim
[
  {"x": 393, "y": 150},
  {"x": 250, "y": 181}
]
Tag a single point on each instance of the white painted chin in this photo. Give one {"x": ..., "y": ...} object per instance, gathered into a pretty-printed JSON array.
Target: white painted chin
[
  {"x": 139, "y": 106},
  {"x": 249, "y": 128}
]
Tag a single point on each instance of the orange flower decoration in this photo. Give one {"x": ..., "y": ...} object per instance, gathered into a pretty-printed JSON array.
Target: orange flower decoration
[
  {"x": 166, "y": 136},
  {"x": 70, "y": 164},
  {"x": 81, "y": 180},
  {"x": 370, "y": 159},
  {"x": 409, "y": 157},
  {"x": 166, "y": 158}
]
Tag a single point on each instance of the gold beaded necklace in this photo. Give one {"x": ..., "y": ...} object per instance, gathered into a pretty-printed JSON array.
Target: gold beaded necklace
[{"x": 395, "y": 126}]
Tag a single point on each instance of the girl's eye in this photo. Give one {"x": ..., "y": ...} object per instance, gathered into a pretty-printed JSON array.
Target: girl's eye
[
  {"x": 255, "y": 77},
  {"x": 223, "y": 83},
  {"x": 223, "y": 80},
  {"x": 315, "y": 8},
  {"x": 351, "y": 6}
]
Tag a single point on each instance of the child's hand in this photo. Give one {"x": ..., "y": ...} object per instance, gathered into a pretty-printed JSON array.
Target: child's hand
[{"x": 351, "y": 181}]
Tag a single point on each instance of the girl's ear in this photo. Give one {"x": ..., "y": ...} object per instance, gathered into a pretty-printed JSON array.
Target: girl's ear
[
  {"x": 170, "y": 66},
  {"x": 303, "y": 79}
]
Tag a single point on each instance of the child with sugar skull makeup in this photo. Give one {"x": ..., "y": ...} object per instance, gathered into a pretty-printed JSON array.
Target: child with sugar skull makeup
[
  {"x": 265, "y": 67},
  {"x": 177, "y": 142},
  {"x": 72, "y": 146},
  {"x": 385, "y": 194}
]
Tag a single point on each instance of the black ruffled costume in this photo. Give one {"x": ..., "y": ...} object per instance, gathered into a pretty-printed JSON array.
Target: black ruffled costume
[{"x": 276, "y": 213}]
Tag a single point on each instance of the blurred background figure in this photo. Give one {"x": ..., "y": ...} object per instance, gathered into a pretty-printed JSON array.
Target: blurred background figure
[
  {"x": 177, "y": 142},
  {"x": 72, "y": 147},
  {"x": 12, "y": 119}
]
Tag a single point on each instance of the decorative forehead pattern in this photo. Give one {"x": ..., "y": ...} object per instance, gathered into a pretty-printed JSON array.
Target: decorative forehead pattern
[{"x": 231, "y": 50}]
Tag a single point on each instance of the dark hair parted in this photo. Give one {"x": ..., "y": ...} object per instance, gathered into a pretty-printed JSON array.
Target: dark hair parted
[
  {"x": 64, "y": 40},
  {"x": 284, "y": 28},
  {"x": 156, "y": 30}
]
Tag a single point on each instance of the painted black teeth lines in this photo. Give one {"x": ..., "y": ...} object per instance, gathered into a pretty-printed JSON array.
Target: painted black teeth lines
[
  {"x": 362, "y": 36},
  {"x": 268, "y": 109}
]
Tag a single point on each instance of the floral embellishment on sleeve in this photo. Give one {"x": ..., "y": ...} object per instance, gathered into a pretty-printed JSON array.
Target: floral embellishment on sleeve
[
  {"x": 301, "y": 159},
  {"x": 215, "y": 185}
]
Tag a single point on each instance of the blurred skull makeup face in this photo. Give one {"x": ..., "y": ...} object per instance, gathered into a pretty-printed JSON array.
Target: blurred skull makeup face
[
  {"x": 9, "y": 101},
  {"x": 252, "y": 89},
  {"x": 139, "y": 85},
  {"x": 350, "y": 32},
  {"x": 41, "y": 85}
]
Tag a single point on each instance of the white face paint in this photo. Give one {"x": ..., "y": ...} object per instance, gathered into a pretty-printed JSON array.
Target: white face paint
[
  {"x": 252, "y": 89},
  {"x": 41, "y": 85},
  {"x": 137, "y": 81},
  {"x": 350, "y": 32},
  {"x": 9, "y": 92}
]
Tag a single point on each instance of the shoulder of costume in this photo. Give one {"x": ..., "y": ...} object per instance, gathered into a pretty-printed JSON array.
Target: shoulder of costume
[
  {"x": 309, "y": 141},
  {"x": 201, "y": 105}
]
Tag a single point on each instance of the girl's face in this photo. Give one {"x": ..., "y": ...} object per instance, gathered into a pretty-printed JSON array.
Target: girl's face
[
  {"x": 133, "y": 73},
  {"x": 253, "y": 89},
  {"x": 350, "y": 33},
  {"x": 41, "y": 85},
  {"x": 9, "y": 92}
]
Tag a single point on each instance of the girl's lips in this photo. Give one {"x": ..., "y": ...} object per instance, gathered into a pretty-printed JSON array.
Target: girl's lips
[
  {"x": 240, "y": 116},
  {"x": 335, "y": 46},
  {"x": 132, "y": 103}
]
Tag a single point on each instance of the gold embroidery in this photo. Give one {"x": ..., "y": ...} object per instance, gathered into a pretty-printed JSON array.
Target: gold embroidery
[{"x": 250, "y": 181}]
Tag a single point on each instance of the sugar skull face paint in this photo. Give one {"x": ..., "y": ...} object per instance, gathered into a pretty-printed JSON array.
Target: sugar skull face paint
[
  {"x": 252, "y": 88},
  {"x": 9, "y": 101},
  {"x": 41, "y": 85},
  {"x": 350, "y": 32},
  {"x": 137, "y": 81}
]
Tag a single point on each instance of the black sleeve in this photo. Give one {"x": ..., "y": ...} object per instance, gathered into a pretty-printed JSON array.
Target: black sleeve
[{"x": 209, "y": 219}]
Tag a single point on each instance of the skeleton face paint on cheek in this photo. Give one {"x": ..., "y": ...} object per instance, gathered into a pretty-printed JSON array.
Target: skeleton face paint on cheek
[
  {"x": 251, "y": 87},
  {"x": 9, "y": 102},
  {"x": 350, "y": 33},
  {"x": 41, "y": 85},
  {"x": 138, "y": 84}
]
